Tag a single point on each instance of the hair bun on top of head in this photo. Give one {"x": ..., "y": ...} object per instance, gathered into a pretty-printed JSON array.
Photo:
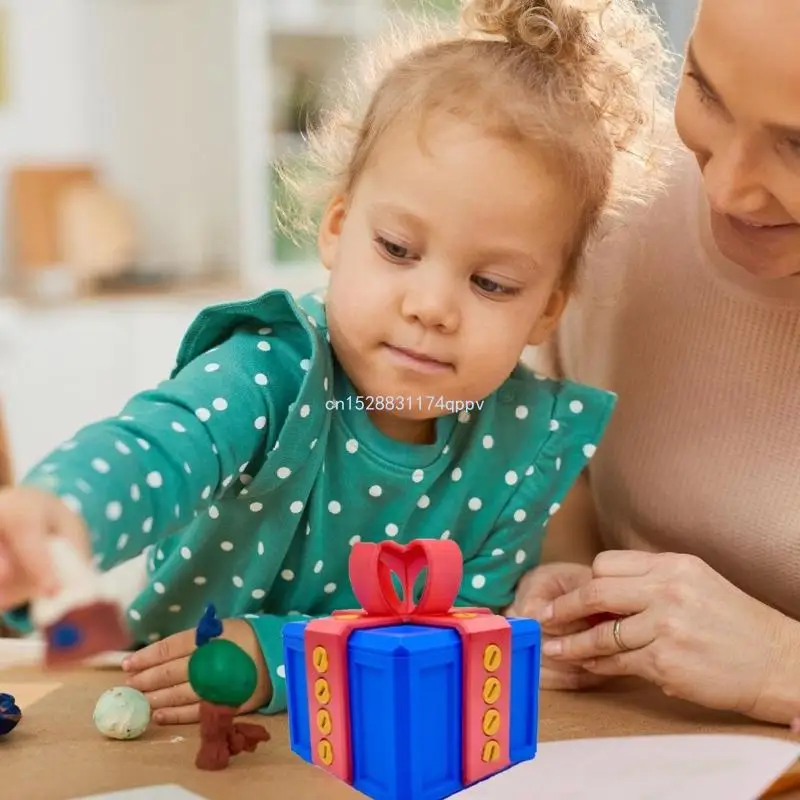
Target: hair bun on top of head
[
  {"x": 554, "y": 28},
  {"x": 611, "y": 49}
]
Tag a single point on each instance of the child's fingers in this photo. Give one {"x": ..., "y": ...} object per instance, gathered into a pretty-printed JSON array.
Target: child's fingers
[
  {"x": 164, "y": 676},
  {"x": 5, "y": 563},
  {"x": 173, "y": 697},
  {"x": 14, "y": 592},
  {"x": 25, "y": 533},
  {"x": 182, "y": 715},
  {"x": 71, "y": 527},
  {"x": 177, "y": 646},
  {"x": 14, "y": 586}
]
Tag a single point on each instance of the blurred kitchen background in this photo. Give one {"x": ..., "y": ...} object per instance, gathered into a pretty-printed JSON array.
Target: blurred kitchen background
[{"x": 137, "y": 144}]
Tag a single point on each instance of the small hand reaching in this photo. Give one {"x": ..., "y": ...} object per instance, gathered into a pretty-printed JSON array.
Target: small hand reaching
[
  {"x": 161, "y": 672},
  {"x": 535, "y": 592},
  {"x": 28, "y": 519}
]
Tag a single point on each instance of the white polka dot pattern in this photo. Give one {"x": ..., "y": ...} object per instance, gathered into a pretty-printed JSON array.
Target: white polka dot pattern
[{"x": 247, "y": 489}]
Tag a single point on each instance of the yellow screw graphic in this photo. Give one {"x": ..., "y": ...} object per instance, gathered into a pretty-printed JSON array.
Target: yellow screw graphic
[
  {"x": 320, "y": 658},
  {"x": 322, "y": 691},
  {"x": 324, "y": 723},
  {"x": 492, "y": 656},
  {"x": 491, "y": 751},
  {"x": 325, "y": 750},
  {"x": 491, "y": 691},
  {"x": 491, "y": 722}
]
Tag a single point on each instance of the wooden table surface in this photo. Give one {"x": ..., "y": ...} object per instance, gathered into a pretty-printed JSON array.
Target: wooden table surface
[{"x": 56, "y": 753}]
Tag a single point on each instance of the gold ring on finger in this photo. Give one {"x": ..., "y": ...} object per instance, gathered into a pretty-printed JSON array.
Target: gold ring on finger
[{"x": 616, "y": 631}]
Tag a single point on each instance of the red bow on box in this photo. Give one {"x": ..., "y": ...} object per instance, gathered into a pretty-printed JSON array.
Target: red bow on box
[
  {"x": 373, "y": 565},
  {"x": 486, "y": 648}
]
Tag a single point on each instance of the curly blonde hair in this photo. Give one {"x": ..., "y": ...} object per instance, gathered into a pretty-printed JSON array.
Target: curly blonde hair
[{"x": 582, "y": 80}]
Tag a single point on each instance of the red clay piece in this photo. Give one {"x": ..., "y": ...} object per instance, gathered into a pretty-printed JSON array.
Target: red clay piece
[{"x": 84, "y": 632}]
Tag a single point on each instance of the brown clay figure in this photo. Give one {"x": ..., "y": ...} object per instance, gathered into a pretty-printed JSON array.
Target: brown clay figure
[{"x": 224, "y": 677}]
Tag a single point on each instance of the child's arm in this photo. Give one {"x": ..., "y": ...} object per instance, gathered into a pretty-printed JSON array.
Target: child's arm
[
  {"x": 160, "y": 670},
  {"x": 268, "y": 631},
  {"x": 491, "y": 575},
  {"x": 552, "y": 486},
  {"x": 173, "y": 450}
]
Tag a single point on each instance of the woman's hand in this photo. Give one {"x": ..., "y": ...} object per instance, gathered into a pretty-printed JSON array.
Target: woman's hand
[
  {"x": 684, "y": 628},
  {"x": 535, "y": 591},
  {"x": 161, "y": 672}
]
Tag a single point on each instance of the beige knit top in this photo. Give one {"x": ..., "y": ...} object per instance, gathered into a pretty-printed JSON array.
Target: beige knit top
[{"x": 703, "y": 453}]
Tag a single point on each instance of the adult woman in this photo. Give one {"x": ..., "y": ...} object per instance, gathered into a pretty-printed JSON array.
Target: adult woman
[{"x": 691, "y": 313}]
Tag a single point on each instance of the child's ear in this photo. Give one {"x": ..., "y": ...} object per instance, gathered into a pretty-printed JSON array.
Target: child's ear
[
  {"x": 330, "y": 230},
  {"x": 549, "y": 318}
]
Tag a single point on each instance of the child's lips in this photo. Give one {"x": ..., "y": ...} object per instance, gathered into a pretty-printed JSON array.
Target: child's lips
[{"x": 417, "y": 359}]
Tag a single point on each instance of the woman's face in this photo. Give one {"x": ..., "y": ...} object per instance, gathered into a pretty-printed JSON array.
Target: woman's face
[{"x": 738, "y": 110}]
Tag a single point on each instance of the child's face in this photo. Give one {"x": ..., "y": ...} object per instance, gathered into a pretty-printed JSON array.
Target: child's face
[{"x": 445, "y": 263}]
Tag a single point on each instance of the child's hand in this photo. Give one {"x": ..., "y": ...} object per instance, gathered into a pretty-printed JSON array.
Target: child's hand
[
  {"x": 536, "y": 590},
  {"x": 161, "y": 672},
  {"x": 27, "y": 518}
]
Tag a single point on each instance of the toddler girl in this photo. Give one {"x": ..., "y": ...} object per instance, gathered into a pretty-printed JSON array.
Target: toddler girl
[{"x": 458, "y": 204}]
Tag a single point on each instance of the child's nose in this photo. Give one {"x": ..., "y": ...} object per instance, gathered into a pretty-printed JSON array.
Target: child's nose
[{"x": 433, "y": 304}]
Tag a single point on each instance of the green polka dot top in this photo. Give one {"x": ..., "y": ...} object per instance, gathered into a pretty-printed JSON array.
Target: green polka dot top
[{"x": 247, "y": 490}]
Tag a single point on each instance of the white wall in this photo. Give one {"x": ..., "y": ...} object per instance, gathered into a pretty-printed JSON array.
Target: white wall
[
  {"x": 47, "y": 114},
  {"x": 678, "y": 16},
  {"x": 67, "y": 367},
  {"x": 148, "y": 90},
  {"x": 164, "y": 86}
]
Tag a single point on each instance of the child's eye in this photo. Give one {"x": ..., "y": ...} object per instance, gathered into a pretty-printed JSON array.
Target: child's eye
[
  {"x": 396, "y": 252},
  {"x": 489, "y": 286}
]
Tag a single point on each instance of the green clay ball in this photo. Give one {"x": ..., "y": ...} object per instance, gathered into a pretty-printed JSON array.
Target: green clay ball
[
  {"x": 122, "y": 713},
  {"x": 220, "y": 672}
]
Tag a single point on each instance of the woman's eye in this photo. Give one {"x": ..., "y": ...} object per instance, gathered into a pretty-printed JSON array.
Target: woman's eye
[
  {"x": 706, "y": 95},
  {"x": 393, "y": 250}
]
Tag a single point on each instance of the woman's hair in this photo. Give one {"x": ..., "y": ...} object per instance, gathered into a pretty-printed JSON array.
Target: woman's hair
[{"x": 582, "y": 81}]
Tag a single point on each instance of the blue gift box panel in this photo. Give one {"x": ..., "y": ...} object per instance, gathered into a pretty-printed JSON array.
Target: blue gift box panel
[{"x": 405, "y": 706}]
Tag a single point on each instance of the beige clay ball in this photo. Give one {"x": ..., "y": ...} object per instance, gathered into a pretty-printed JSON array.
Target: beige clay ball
[{"x": 122, "y": 713}]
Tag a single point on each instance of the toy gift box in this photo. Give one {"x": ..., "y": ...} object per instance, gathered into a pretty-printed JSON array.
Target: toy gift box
[{"x": 412, "y": 701}]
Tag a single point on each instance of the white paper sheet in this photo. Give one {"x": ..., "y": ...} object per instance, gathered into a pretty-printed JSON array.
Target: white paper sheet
[
  {"x": 170, "y": 791},
  {"x": 688, "y": 767}
]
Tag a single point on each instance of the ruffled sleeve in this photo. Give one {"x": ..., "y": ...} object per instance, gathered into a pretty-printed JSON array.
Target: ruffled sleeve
[
  {"x": 578, "y": 419},
  {"x": 294, "y": 369},
  {"x": 549, "y": 431}
]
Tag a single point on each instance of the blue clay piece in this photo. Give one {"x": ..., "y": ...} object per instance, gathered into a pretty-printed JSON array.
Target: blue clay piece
[
  {"x": 122, "y": 713},
  {"x": 209, "y": 626},
  {"x": 10, "y": 713},
  {"x": 65, "y": 636}
]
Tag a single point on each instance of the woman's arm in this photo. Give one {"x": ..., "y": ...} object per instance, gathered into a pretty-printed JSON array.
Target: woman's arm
[{"x": 572, "y": 534}]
